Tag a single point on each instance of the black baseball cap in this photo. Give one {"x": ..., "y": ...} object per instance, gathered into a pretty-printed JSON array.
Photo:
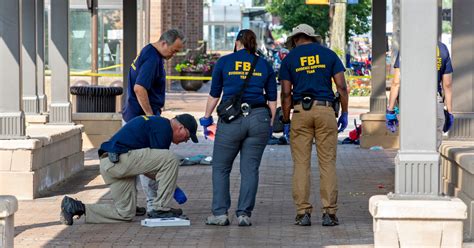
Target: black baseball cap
[
  {"x": 239, "y": 36},
  {"x": 189, "y": 122}
]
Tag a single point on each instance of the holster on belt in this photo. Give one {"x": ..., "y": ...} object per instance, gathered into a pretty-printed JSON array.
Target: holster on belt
[
  {"x": 307, "y": 101},
  {"x": 113, "y": 157}
]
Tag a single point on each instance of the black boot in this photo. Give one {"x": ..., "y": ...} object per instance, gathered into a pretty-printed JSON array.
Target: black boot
[
  {"x": 140, "y": 211},
  {"x": 69, "y": 209},
  {"x": 173, "y": 212}
]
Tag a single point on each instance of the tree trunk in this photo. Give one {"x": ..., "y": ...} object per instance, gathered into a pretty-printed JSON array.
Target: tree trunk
[{"x": 338, "y": 29}]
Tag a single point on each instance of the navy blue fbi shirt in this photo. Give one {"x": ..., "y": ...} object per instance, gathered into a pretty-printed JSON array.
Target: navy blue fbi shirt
[
  {"x": 310, "y": 68},
  {"x": 443, "y": 63},
  {"x": 230, "y": 72},
  {"x": 148, "y": 71},
  {"x": 141, "y": 132}
]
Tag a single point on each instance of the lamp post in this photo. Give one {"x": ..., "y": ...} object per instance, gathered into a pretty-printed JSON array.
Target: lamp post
[{"x": 92, "y": 6}]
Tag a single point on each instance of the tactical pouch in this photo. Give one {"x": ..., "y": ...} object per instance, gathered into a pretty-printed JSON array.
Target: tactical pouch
[
  {"x": 114, "y": 157},
  {"x": 336, "y": 104},
  {"x": 230, "y": 109},
  {"x": 307, "y": 102}
]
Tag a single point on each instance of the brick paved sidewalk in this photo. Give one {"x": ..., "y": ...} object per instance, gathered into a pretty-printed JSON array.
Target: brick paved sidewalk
[{"x": 362, "y": 173}]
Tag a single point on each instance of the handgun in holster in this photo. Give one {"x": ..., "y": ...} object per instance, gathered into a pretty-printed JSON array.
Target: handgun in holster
[{"x": 336, "y": 103}]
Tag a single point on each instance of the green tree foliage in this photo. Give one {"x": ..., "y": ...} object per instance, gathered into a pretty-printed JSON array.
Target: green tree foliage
[
  {"x": 294, "y": 12},
  {"x": 357, "y": 18}
]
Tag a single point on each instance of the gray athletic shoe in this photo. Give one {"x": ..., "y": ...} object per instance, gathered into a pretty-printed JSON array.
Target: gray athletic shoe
[
  {"x": 303, "y": 219},
  {"x": 220, "y": 220},
  {"x": 330, "y": 220},
  {"x": 244, "y": 220}
]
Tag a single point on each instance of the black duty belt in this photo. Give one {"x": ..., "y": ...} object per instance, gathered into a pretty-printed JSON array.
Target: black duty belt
[
  {"x": 258, "y": 105},
  {"x": 316, "y": 102}
]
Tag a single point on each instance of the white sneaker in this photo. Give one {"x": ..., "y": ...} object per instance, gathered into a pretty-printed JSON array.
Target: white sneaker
[
  {"x": 244, "y": 220},
  {"x": 220, "y": 220}
]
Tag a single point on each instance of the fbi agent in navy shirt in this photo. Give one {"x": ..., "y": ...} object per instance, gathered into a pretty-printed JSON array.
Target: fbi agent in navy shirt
[
  {"x": 247, "y": 134},
  {"x": 306, "y": 76},
  {"x": 147, "y": 85},
  {"x": 139, "y": 147},
  {"x": 445, "y": 117}
]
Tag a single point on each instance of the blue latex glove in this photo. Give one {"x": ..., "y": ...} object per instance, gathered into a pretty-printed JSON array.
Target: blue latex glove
[
  {"x": 448, "y": 121},
  {"x": 205, "y": 122},
  {"x": 286, "y": 131},
  {"x": 391, "y": 120},
  {"x": 342, "y": 122},
  {"x": 179, "y": 196}
]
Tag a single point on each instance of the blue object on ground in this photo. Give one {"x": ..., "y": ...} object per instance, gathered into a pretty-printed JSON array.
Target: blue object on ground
[
  {"x": 376, "y": 148},
  {"x": 179, "y": 196}
]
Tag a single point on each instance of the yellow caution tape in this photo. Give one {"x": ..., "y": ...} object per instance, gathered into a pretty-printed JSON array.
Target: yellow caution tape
[
  {"x": 89, "y": 73},
  {"x": 110, "y": 67}
]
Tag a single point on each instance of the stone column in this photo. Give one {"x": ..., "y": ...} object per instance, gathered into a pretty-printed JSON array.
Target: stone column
[
  {"x": 378, "y": 98},
  {"x": 374, "y": 132},
  {"x": 12, "y": 121},
  {"x": 417, "y": 169},
  {"x": 60, "y": 107},
  {"x": 42, "y": 99},
  {"x": 416, "y": 215},
  {"x": 8, "y": 207},
  {"x": 463, "y": 75},
  {"x": 28, "y": 57},
  {"x": 129, "y": 40}
]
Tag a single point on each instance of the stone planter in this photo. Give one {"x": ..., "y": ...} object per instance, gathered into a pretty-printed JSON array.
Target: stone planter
[
  {"x": 208, "y": 74},
  {"x": 417, "y": 223},
  {"x": 191, "y": 85}
]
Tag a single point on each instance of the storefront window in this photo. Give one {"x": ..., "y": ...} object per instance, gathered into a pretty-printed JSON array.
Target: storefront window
[
  {"x": 218, "y": 37},
  {"x": 110, "y": 37},
  {"x": 80, "y": 46},
  {"x": 231, "y": 33}
]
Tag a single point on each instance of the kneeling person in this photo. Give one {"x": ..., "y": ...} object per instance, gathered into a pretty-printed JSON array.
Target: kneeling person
[{"x": 139, "y": 147}]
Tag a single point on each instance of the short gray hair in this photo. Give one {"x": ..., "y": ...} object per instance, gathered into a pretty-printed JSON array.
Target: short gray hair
[{"x": 171, "y": 36}]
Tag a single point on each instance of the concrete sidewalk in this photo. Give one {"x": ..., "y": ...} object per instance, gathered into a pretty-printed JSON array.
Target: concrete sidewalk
[{"x": 362, "y": 173}]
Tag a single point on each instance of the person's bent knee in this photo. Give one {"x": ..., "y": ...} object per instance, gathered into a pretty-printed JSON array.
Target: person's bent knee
[{"x": 173, "y": 160}]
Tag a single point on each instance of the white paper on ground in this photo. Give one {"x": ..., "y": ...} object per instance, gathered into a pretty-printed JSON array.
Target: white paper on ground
[{"x": 165, "y": 222}]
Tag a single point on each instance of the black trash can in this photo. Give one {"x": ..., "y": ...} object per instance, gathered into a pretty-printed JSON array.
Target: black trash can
[{"x": 95, "y": 99}]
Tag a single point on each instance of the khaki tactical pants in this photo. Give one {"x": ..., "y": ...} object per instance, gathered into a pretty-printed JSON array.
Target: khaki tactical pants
[
  {"x": 121, "y": 178},
  {"x": 319, "y": 123}
]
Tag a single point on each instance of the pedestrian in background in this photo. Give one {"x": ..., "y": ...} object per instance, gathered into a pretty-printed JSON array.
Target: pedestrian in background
[
  {"x": 445, "y": 118},
  {"x": 146, "y": 88},
  {"x": 248, "y": 133},
  {"x": 306, "y": 76}
]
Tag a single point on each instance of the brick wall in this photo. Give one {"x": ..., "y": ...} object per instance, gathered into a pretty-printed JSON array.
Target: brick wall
[{"x": 185, "y": 15}]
